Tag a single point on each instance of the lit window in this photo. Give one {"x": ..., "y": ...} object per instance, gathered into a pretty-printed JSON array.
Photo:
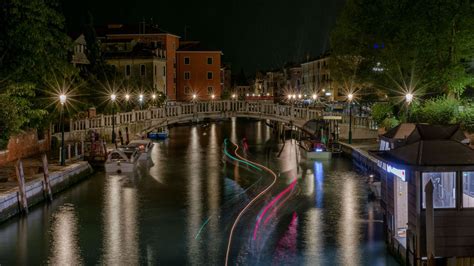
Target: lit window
[
  {"x": 128, "y": 70},
  {"x": 187, "y": 75},
  {"x": 209, "y": 75},
  {"x": 444, "y": 193},
  {"x": 186, "y": 61},
  {"x": 468, "y": 189},
  {"x": 142, "y": 70},
  {"x": 209, "y": 60},
  {"x": 210, "y": 90}
]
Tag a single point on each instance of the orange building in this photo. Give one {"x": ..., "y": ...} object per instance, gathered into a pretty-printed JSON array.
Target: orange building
[
  {"x": 118, "y": 36},
  {"x": 199, "y": 72}
]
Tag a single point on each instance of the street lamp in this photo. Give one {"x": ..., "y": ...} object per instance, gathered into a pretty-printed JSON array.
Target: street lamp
[
  {"x": 409, "y": 99},
  {"x": 315, "y": 97},
  {"x": 140, "y": 99},
  {"x": 62, "y": 100},
  {"x": 194, "y": 97},
  {"x": 233, "y": 96},
  {"x": 350, "y": 96},
  {"x": 112, "y": 98},
  {"x": 153, "y": 96},
  {"x": 213, "y": 96}
]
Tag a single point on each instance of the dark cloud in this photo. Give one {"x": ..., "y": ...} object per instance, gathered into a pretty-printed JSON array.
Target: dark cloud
[{"x": 253, "y": 34}]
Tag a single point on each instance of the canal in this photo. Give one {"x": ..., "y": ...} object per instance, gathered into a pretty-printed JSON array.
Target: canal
[{"x": 180, "y": 207}]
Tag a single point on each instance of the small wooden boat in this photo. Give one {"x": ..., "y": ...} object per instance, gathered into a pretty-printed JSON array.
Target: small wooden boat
[
  {"x": 123, "y": 159},
  {"x": 143, "y": 146},
  {"x": 161, "y": 133}
]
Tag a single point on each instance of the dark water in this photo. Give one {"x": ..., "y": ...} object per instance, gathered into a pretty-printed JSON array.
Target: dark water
[{"x": 179, "y": 208}]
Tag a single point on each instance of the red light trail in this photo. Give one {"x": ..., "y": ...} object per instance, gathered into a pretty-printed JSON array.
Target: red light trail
[{"x": 250, "y": 203}]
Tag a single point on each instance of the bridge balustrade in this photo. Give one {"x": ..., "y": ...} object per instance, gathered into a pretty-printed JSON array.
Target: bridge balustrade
[{"x": 258, "y": 109}]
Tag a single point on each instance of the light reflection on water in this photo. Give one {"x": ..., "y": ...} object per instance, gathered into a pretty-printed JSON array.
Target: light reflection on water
[
  {"x": 65, "y": 240},
  {"x": 180, "y": 210},
  {"x": 120, "y": 221}
]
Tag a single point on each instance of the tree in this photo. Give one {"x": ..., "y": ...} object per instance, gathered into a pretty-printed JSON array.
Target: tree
[
  {"x": 33, "y": 46},
  {"x": 428, "y": 42}
]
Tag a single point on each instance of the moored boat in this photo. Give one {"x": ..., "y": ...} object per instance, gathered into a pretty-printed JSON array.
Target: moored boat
[
  {"x": 143, "y": 146},
  {"x": 123, "y": 159},
  {"x": 161, "y": 133}
]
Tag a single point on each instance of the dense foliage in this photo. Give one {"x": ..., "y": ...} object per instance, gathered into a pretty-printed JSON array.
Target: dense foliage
[
  {"x": 406, "y": 45},
  {"x": 33, "y": 46}
]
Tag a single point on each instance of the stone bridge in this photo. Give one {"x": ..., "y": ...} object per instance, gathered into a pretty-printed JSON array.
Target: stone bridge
[{"x": 140, "y": 121}]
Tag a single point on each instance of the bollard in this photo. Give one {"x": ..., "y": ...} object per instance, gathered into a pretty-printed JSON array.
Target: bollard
[
  {"x": 20, "y": 176},
  {"x": 60, "y": 154},
  {"x": 46, "y": 185},
  {"x": 75, "y": 149}
]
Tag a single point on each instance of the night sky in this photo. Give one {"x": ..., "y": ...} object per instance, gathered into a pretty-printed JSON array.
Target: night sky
[{"x": 253, "y": 34}]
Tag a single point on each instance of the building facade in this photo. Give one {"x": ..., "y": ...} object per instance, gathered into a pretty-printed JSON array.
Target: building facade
[
  {"x": 121, "y": 37},
  {"x": 143, "y": 64},
  {"x": 199, "y": 72},
  {"x": 316, "y": 78}
]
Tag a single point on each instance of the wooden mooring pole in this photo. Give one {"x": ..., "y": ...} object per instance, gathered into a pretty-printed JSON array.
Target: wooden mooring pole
[
  {"x": 20, "y": 176},
  {"x": 46, "y": 185}
]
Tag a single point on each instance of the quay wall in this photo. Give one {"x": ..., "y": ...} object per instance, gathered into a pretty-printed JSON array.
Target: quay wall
[{"x": 59, "y": 180}]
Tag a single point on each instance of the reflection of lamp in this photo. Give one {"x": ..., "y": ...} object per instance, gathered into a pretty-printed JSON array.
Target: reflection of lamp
[{"x": 62, "y": 100}]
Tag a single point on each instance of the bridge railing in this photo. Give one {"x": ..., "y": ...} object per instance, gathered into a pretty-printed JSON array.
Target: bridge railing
[{"x": 261, "y": 109}]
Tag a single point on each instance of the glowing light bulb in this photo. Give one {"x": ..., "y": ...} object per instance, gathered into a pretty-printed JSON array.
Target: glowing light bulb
[{"x": 62, "y": 98}]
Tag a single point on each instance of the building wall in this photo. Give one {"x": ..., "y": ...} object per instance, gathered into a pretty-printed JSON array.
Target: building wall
[
  {"x": 24, "y": 145},
  {"x": 198, "y": 68},
  {"x": 171, "y": 44},
  {"x": 316, "y": 78},
  {"x": 153, "y": 78}
]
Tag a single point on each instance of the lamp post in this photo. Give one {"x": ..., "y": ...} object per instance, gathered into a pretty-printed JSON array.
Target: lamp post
[
  {"x": 62, "y": 100},
  {"x": 140, "y": 99},
  {"x": 112, "y": 98},
  {"x": 409, "y": 99},
  {"x": 350, "y": 97}
]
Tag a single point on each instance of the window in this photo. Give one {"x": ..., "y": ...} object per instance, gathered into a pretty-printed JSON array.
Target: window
[
  {"x": 187, "y": 75},
  {"x": 128, "y": 70},
  {"x": 210, "y": 90},
  {"x": 142, "y": 70},
  {"x": 186, "y": 61},
  {"x": 468, "y": 189},
  {"x": 444, "y": 193},
  {"x": 209, "y": 60},
  {"x": 187, "y": 90},
  {"x": 164, "y": 71},
  {"x": 209, "y": 75}
]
